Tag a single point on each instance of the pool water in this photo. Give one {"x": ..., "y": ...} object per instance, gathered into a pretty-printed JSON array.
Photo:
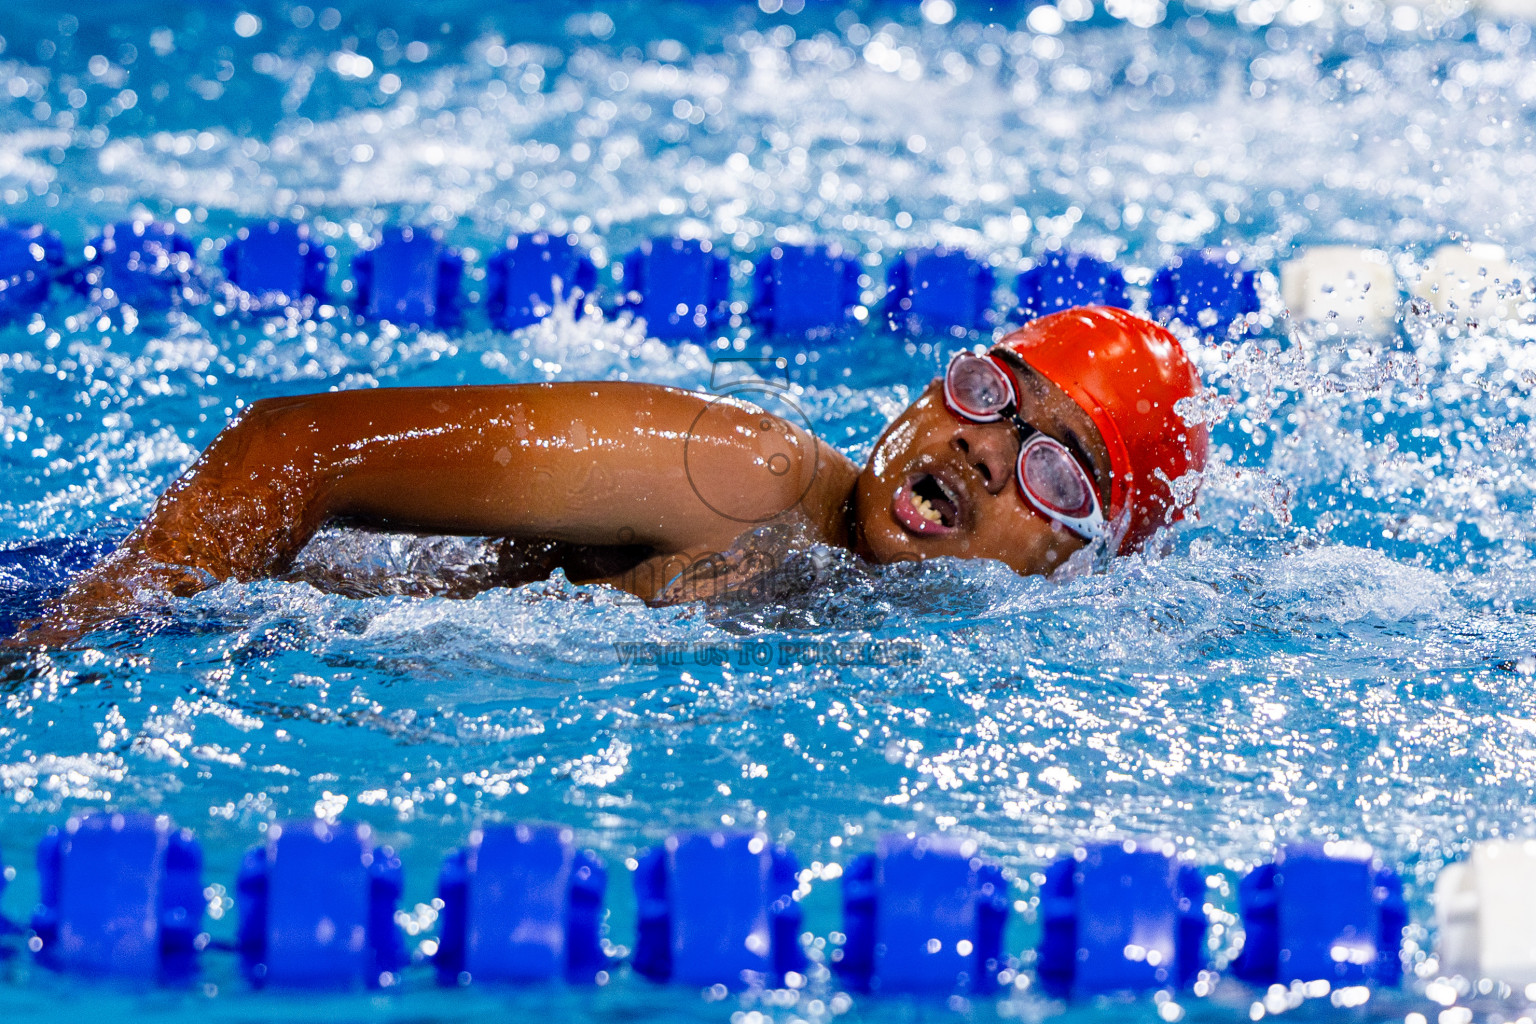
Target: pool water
[{"x": 1341, "y": 647}]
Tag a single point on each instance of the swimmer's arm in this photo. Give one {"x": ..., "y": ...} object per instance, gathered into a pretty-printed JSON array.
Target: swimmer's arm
[
  {"x": 592, "y": 464},
  {"x": 598, "y": 464}
]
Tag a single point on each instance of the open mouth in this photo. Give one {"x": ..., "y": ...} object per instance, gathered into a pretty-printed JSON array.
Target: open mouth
[{"x": 925, "y": 504}]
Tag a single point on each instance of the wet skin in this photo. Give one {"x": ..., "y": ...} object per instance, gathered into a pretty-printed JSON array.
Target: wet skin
[
  {"x": 973, "y": 464},
  {"x": 668, "y": 478}
]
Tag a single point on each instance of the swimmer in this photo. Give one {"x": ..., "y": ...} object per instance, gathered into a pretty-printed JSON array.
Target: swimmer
[{"x": 1062, "y": 435}]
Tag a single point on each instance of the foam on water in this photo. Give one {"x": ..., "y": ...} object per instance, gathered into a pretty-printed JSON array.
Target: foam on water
[{"x": 1341, "y": 647}]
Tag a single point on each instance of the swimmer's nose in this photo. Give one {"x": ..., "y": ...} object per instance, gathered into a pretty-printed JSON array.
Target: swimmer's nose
[{"x": 991, "y": 450}]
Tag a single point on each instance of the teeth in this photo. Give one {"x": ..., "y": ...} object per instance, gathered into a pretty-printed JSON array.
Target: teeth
[{"x": 926, "y": 510}]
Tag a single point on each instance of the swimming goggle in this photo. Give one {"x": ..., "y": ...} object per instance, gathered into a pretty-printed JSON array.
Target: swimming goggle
[{"x": 980, "y": 389}]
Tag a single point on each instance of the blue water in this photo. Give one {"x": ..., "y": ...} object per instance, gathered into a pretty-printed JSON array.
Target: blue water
[{"x": 1340, "y": 648}]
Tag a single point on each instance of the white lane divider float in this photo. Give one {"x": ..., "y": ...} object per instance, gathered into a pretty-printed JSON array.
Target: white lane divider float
[
  {"x": 1351, "y": 286},
  {"x": 1485, "y": 907},
  {"x": 1476, "y": 282}
]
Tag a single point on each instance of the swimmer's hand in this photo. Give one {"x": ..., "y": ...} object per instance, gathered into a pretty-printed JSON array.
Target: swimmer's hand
[
  {"x": 118, "y": 588},
  {"x": 743, "y": 570}
]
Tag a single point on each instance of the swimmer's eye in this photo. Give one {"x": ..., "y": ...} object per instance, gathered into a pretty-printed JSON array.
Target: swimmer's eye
[{"x": 1056, "y": 484}]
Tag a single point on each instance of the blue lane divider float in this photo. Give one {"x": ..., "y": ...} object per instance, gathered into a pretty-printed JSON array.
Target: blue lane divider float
[
  {"x": 1062, "y": 280},
  {"x": 1322, "y": 913},
  {"x": 680, "y": 286},
  {"x": 923, "y": 914},
  {"x": 524, "y": 280},
  {"x": 717, "y": 908},
  {"x": 811, "y": 291},
  {"x": 122, "y": 896},
  {"x": 317, "y": 904},
  {"x": 1211, "y": 290},
  {"x": 520, "y": 904},
  {"x": 144, "y": 264},
  {"x": 275, "y": 263},
  {"x": 410, "y": 277},
  {"x": 1120, "y": 917},
  {"x": 31, "y": 257},
  {"x": 939, "y": 290}
]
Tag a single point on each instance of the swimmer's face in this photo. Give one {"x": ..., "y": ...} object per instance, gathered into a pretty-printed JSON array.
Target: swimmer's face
[{"x": 931, "y": 461}]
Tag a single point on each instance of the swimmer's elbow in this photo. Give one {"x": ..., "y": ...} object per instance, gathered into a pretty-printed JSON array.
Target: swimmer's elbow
[
  {"x": 257, "y": 410},
  {"x": 261, "y": 438},
  {"x": 274, "y": 416},
  {"x": 262, "y": 416}
]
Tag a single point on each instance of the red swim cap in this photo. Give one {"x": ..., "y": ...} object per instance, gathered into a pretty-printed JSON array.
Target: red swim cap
[{"x": 1126, "y": 373}]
